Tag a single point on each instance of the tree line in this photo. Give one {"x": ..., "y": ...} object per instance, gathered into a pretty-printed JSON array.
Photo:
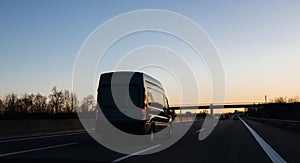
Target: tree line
[
  {"x": 286, "y": 99},
  {"x": 57, "y": 102},
  {"x": 279, "y": 108}
]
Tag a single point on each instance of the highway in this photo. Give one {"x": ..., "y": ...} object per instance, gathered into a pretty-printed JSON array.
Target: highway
[{"x": 231, "y": 141}]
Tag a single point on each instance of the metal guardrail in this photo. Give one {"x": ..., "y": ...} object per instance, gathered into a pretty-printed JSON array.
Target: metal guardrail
[{"x": 291, "y": 124}]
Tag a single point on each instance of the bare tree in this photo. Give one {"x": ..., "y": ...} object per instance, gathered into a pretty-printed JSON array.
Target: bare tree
[
  {"x": 88, "y": 103},
  {"x": 10, "y": 101},
  {"x": 286, "y": 100},
  {"x": 39, "y": 103},
  {"x": 27, "y": 102},
  {"x": 20, "y": 106},
  {"x": 70, "y": 101},
  {"x": 280, "y": 100},
  {"x": 74, "y": 102},
  {"x": 67, "y": 101},
  {"x": 2, "y": 109},
  {"x": 293, "y": 99},
  {"x": 56, "y": 100}
]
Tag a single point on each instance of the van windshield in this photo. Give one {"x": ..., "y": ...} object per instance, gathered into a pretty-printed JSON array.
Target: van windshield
[{"x": 106, "y": 100}]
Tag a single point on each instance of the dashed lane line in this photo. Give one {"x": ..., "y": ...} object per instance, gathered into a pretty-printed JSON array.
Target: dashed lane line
[
  {"x": 136, "y": 153},
  {"x": 202, "y": 129}
]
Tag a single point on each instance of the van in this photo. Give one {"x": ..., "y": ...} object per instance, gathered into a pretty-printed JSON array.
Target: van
[{"x": 122, "y": 94}]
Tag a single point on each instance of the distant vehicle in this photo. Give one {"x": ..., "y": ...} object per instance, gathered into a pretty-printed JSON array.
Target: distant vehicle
[
  {"x": 222, "y": 117},
  {"x": 235, "y": 117},
  {"x": 227, "y": 116},
  {"x": 146, "y": 93}
]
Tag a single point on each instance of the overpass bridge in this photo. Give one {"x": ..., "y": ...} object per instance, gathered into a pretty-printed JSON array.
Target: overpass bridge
[{"x": 219, "y": 106}]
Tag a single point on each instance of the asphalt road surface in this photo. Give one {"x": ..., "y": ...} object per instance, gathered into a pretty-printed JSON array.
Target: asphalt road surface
[{"x": 231, "y": 141}]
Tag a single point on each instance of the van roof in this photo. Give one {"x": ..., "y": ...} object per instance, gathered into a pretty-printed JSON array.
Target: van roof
[{"x": 146, "y": 77}]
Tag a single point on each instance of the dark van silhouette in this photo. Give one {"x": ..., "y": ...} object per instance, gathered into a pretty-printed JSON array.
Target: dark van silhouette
[{"x": 122, "y": 94}]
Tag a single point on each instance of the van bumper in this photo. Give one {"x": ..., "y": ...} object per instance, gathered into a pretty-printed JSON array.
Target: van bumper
[{"x": 136, "y": 127}]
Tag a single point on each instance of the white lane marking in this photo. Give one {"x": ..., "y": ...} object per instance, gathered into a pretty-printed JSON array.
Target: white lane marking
[
  {"x": 273, "y": 155},
  {"x": 176, "y": 122},
  {"x": 37, "y": 149},
  {"x": 42, "y": 137},
  {"x": 189, "y": 124},
  {"x": 202, "y": 129},
  {"x": 183, "y": 122},
  {"x": 136, "y": 153}
]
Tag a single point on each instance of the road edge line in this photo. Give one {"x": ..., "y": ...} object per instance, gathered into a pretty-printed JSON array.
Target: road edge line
[
  {"x": 273, "y": 155},
  {"x": 42, "y": 136},
  {"x": 37, "y": 149}
]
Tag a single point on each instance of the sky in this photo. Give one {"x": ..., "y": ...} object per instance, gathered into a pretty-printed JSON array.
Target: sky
[{"x": 258, "y": 43}]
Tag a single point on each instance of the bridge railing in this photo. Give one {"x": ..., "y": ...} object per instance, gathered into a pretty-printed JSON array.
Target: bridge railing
[{"x": 215, "y": 106}]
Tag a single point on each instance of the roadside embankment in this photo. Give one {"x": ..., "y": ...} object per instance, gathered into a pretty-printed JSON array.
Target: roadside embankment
[
  {"x": 23, "y": 128},
  {"x": 289, "y": 124}
]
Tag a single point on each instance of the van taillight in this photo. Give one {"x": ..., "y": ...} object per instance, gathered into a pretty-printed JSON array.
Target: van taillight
[
  {"x": 97, "y": 112},
  {"x": 144, "y": 113}
]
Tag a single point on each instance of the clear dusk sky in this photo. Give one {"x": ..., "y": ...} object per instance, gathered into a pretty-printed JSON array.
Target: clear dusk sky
[{"x": 258, "y": 42}]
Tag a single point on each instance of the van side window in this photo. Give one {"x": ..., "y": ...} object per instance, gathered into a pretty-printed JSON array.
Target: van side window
[
  {"x": 149, "y": 98},
  {"x": 166, "y": 105},
  {"x": 155, "y": 98}
]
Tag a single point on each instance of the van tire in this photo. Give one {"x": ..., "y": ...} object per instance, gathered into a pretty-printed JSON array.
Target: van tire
[
  {"x": 151, "y": 133},
  {"x": 170, "y": 131}
]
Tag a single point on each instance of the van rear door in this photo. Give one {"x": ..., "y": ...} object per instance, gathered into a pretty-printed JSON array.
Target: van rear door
[{"x": 114, "y": 104}]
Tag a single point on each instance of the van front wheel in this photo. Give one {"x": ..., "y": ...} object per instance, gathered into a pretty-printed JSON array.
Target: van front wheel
[
  {"x": 170, "y": 131},
  {"x": 151, "y": 133}
]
